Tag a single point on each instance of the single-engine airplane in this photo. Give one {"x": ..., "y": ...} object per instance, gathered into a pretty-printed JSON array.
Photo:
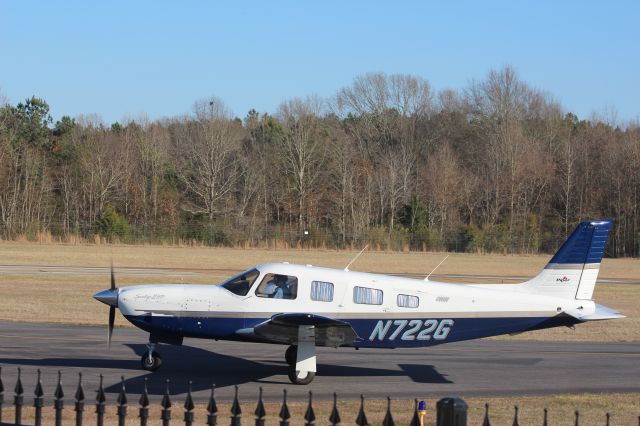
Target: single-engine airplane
[{"x": 306, "y": 306}]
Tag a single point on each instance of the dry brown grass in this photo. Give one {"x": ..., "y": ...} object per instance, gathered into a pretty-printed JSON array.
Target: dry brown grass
[
  {"x": 67, "y": 298},
  {"x": 624, "y": 408},
  {"x": 239, "y": 259}
]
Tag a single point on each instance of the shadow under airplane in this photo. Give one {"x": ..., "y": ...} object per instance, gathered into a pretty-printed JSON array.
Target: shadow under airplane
[{"x": 204, "y": 368}]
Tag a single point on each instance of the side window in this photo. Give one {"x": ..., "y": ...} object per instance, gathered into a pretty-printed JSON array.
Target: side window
[
  {"x": 277, "y": 286},
  {"x": 367, "y": 296},
  {"x": 408, "y": 301},
  {"x": 321, "y": 291}
]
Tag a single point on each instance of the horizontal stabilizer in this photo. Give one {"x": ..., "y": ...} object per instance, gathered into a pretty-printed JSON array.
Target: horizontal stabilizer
[{"x": 601, "y": 313}]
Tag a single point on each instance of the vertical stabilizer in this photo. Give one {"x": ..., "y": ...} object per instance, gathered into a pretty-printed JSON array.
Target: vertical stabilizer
[{"x": 573, "y": 270}]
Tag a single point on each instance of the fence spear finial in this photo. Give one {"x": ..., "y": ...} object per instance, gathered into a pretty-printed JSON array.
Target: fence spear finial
[
  {"x": 334, "y": 418},
  {"x": 143, "y": 411},
  {"x": 18, "y": 399},
  {"x": 1, "y": 394},
  {"x": 284, "y": 414},
  {"x": 310, "y": 415},
  {"x": 212, "y": 408},
  {"x": 165, "y": 415},
  {"x": 415, "y": 420},
  {"x": 388, "y": 418},
  {"x": 38, "y": 401},
  {"x": 260, "y": 411},
  {"x": 236, "y": 411},
  {"x": 486, "y": 421},
  {"x": 361, "y": 420},
  {"x": 188, "y": 407},
  {"x": 122, "y": 403},
  {"x": 100, "y": 403}
]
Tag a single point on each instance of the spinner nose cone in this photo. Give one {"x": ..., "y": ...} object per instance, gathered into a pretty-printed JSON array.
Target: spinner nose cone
[{"x": 108, "y": 297}]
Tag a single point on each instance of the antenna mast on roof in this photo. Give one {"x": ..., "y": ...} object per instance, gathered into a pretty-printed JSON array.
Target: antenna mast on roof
[
  {"x": 434, "y": 269},
  {"x": 346, "y": 268}
]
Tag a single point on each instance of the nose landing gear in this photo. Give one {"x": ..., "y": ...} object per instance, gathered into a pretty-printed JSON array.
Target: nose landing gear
[{"x": 151, "y": 359}]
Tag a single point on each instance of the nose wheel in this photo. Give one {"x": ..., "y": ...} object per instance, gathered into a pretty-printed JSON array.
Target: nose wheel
[{"x": 151, "y": 359}]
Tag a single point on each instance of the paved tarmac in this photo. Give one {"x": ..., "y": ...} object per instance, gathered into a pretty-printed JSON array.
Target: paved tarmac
[{"x": 476, "y": 368}]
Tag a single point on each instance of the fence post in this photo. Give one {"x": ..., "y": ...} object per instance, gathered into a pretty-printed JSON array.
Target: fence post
[
  {"x": 334, "y": 418},
  {"x": 545, "y": 421},
  {"x": 1, "y": 394},
  {"x": 188, "y": 407},
  {"x": 388, "y": 418},
  {"x": 166, "y": 406},
  {"x": 236, "y": 411},
  {"x": 608, "y": 417},
  {"x": 310, "y": 415},
  {"x": 415, "y": 420},
  {"x": 122, "y": 404},
  {"x": 577, "y": 418},
  {"x": 451, "y": 412},
  {"x": 361, "y": 420},
  {"x": 143, "y": 412},
  {"x": 260, "y": 411},
  {"x": 212, "y": 409},
  {"x": 100, "y": 404},
  {"x": 18, "y": 399},
  {"x": 515, "y": 419},
  {"x": 79, "y": 405},
  {"x": 285, "y": 415},
  {"x": 38, "y": 401}
]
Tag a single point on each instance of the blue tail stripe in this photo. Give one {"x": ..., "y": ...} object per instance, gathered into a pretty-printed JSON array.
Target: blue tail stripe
[{"x": 586, "y": 244}]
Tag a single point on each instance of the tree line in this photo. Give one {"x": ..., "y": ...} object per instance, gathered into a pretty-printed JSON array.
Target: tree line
[{"x": 498, "y": 166}]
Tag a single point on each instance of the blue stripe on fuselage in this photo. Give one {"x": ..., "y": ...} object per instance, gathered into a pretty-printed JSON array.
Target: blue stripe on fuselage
[{"x": 398, "y": 333}]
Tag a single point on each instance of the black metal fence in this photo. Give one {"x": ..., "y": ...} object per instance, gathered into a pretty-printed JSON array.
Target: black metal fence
[{"x": 450, "y": 411}]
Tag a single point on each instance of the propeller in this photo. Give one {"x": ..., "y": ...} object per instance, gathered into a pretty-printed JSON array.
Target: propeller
[{"x": 112, "y": 309}]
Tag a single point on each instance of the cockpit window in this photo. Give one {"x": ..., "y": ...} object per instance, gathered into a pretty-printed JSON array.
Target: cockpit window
[
  {"x": 277, "y": 286},
  {"x": 240, "y": 284}
]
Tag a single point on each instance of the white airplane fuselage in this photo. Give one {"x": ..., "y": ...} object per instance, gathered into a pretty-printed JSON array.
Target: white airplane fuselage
[{"x": 446, "y": 312}]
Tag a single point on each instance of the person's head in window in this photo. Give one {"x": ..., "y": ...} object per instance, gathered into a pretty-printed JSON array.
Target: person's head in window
[{"x": 282, "y": 289}]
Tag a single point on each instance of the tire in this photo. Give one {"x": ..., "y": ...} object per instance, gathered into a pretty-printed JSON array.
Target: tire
[
  {"x": 300, "y": 381},
  {"x": 153, "y": 366},
  {"x": 291, "y": 354}
]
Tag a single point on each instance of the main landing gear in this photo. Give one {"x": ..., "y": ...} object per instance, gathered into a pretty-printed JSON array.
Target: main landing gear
[
  {"x": 151, "y": 359},
  {"x": 302, "y": 357}
]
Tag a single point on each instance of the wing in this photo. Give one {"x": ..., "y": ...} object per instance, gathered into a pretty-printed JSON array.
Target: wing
[{"x": 283, "y": 328}]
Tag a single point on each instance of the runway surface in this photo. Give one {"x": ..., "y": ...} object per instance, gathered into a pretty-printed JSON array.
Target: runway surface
[{"x": 474, "y": 368}]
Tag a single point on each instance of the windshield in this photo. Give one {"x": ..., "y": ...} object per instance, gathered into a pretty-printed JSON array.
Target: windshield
[{"x": 240, "y": 284}]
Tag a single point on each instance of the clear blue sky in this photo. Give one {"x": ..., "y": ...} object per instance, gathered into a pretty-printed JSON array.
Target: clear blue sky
[{"x": 123, "y": 58}]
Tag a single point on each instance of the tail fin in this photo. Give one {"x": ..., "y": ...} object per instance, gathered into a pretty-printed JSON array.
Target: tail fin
[{"x": 573, "y": 270}]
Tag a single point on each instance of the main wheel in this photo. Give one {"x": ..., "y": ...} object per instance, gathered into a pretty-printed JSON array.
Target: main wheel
[
  {"x": 291, "y": 354},
  {"x": 297, "y": 380},
  {"x": 153, "y": 363}
]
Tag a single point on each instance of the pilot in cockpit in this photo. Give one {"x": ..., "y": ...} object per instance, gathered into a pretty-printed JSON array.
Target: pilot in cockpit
[{"x": 280, "y": 287}]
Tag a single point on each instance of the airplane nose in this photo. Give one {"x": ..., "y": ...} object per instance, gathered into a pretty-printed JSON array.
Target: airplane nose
[{"x": 108, "y": 297}]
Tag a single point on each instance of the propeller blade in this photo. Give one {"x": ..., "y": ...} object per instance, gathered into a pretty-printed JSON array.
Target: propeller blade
[
  {"x": 112, "y": 318},
  {"x": 113, "y": 278}
]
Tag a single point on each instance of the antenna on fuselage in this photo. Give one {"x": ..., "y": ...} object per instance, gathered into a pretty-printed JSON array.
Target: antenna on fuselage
[
  {"x": 434, "y": 269},
  {"x": 346, "y": 268}
]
